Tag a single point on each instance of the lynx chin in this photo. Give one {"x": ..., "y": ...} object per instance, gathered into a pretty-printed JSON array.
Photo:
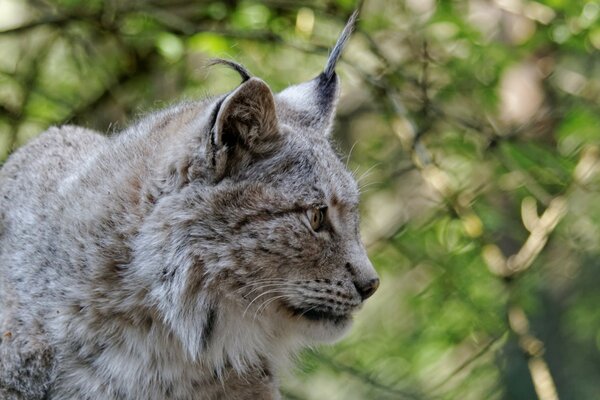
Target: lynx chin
[{"x": 188, "y": 257}]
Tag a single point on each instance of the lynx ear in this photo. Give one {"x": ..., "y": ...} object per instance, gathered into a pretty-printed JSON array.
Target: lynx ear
[
  {"x": 312, "y": 104},
  {"x": 245, "y": 127}
]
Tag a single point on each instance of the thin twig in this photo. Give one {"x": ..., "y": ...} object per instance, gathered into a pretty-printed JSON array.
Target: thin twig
[
  {"x": 481, "y": 352},
  {"x": 365, "y": 377}
]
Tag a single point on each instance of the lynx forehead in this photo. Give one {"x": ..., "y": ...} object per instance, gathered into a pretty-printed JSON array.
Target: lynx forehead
[{"x": 187, "y": 257}]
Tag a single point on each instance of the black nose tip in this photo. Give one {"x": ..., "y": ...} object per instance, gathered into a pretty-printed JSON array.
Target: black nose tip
[{"x": 367, "y": 289}]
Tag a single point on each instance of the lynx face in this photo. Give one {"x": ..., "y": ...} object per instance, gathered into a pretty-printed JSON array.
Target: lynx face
[
  {"x": 301, "y": 255},
  {"x": 262, "y": 228},
  {"x": 291, "y": 209}
]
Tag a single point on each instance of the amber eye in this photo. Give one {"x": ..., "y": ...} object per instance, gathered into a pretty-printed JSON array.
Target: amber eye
[{"x": 316, "y": 216}]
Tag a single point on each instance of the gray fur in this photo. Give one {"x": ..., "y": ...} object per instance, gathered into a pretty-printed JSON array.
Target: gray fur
[{"x": 176, "y": 260}]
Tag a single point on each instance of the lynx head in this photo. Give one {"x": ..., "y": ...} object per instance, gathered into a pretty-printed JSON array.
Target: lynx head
[{"x": 267, "y": 218}]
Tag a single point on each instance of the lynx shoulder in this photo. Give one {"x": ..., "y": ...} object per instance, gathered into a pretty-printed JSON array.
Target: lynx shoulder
[{"x": 187, "y": 257}]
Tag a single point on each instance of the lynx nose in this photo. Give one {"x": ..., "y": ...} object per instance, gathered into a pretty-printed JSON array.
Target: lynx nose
[
  {"x": 367, "y": 289},
  {"x": 362, "y": 273}
]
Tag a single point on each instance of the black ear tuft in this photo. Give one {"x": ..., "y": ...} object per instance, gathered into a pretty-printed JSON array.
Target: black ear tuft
[
  {"x": 336, "y": 53},
  {"x": 239, "y": 68}
]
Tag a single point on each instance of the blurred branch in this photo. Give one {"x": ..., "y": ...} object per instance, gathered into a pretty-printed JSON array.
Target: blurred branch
[
  {"x": 423, "y": 85},
  {"x": 9, "y": 114},
  {"x": 480, "y": 353},
  {"x": 533, "y": 349},
  {"x": 540, "y": 230},
  {"x": 141, "y": 67},
  {"x": 52, "y": 21},
  {"x": 365, "y": 377},
  {"x": 27, "y": 81},
  {"x": 388, "y": 68}
]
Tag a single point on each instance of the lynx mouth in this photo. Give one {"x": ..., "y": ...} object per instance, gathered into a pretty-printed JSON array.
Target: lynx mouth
[{"x": 318, "y": 314}]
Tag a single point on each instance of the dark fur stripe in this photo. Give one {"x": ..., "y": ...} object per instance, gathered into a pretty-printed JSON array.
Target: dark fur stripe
[
  {"x": 213, "y": 131},
  {"x": 209, "y": 326}
]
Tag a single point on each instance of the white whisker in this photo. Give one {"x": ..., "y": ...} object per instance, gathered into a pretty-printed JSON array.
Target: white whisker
[
  {"x": 278, "y": 290},
  {"x": 366, "y": 173},
  {"x": 266, "y": 303},
  {"x": 350, "y": 153}
]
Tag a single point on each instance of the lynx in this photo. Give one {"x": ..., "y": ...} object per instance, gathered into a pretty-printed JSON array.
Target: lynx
[{"x": 188, "y": 257}]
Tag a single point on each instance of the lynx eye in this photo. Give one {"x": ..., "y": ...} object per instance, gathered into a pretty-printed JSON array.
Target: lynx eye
[{"x": 316, "y": 216}]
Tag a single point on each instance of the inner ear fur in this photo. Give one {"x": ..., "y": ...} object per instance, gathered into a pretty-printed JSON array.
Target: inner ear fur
[{"x": 245, "y": 127}]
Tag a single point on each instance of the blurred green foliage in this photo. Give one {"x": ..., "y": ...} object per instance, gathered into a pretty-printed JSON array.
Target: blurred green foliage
[{"x": 474, "y": 127}]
